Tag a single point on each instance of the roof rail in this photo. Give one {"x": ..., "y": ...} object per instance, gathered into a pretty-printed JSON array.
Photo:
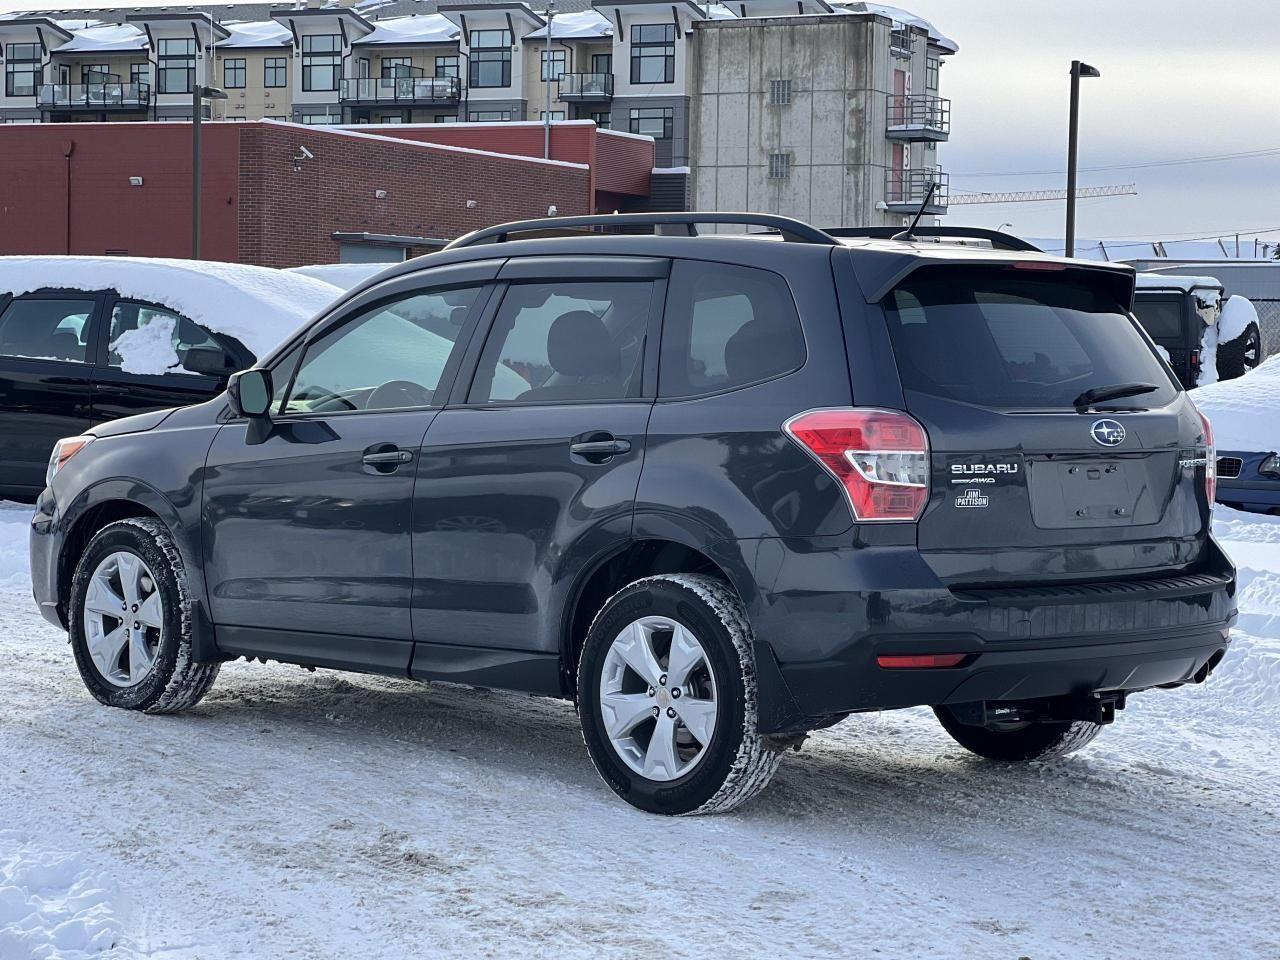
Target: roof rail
[
  {"x": 1001, "y": 241},
  {"x": 793, "y": 230}
]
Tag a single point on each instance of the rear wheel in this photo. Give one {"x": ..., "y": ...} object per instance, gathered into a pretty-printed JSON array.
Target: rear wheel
[
  {"x": 1241, "y": 355},
  {"x": 667, "y": 697},
  {"x": 1021, "y": 741}
]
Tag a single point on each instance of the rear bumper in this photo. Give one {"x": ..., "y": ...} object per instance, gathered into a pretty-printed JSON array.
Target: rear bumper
[{"x": 1020, "y": 643}]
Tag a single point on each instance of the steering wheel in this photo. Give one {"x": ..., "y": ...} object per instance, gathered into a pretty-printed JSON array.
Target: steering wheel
[{"x": 398, "y": 393}]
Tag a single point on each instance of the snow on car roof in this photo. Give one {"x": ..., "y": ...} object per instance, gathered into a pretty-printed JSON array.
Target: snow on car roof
[
  {"x": 259, "y": 306},
  {"x": 1168, "y": 281},
  {"x": 428, "y": 28},
  {"x": 1243, "y": 410},
  {"x": 344, "y": 276}
]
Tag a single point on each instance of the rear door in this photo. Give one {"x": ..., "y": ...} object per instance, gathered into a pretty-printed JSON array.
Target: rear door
[
  {"x": 45, "y": 380},
  {"x": 1168, "y": 318},
  {"x": 1024, "y": 486},
  {"x": 531, "y": 472}
]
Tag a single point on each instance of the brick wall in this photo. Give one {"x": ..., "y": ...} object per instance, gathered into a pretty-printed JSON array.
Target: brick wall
[{"x": 290, "y": 209}]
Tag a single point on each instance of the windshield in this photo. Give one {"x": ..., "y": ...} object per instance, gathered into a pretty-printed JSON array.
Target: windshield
[{"x": 996, "y": 337}]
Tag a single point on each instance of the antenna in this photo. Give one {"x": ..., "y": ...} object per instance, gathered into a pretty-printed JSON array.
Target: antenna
[{"x": 905, "y": 235}]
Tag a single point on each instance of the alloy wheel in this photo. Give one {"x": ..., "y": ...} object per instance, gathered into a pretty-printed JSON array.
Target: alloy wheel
[
  {"x": 658, "y": 698},
  {"x": 123, "y": 619}
]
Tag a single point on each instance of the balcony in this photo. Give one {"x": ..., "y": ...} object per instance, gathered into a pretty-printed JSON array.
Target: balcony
[
  {"x": 905, "y": 190},
  {"x": 402, "y": 91},
  {"x": 94, "y": 96},
  {"x": 586, "y": 87},
  {"x": 918, "y": 117}
]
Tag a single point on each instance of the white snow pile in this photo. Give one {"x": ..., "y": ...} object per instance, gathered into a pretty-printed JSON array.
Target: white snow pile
[
  {"x": 579, "y": 25},
  {"x": 51, "y": 906},
  {"x": 14, "y": 559},
  {"x": 344, "y": 276},
  {"x": 259, "y": 306},
  {"x": 1244, "y": 411},
  {"x": 428, "y": 28}
]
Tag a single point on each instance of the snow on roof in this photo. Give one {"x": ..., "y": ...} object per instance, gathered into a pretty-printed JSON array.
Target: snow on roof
[
  {"x": 259, "y": 306},
  {"x": 898, "y": 15},
  {"x": 106, "y": 39},
  {"x": 1164, "y": 281},
  {"x": 429, "y": 28},
  {"x": 345, "y": 276},
  {"x": 257, "y": 33},
  {"x": 583, "y": 25}
]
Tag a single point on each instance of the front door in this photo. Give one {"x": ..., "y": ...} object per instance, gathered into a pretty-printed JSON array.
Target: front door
[
  {"x": 307, "y": 546},
  {"x": 534, "y": 472},
  {"x": 46, "y": 369}
]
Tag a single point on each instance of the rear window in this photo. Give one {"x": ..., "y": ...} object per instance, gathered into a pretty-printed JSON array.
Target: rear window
[
  {"x": 995, "y": 338},
  {"x": 1162, "y": 318}
]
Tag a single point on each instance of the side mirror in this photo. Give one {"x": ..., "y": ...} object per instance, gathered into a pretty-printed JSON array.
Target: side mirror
[
  {"x": 210, "y": 361},
  {"x": 250, "y": 393}
]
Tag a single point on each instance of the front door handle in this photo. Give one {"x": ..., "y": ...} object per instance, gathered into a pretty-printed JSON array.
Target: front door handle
[
  {"x": 600, "y": 448},
  {"x": 385, "y": 458}
]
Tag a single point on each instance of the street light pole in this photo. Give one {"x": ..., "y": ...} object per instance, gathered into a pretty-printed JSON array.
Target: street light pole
[
  {"x": 1078, "y": 70},
  {"x": 546, "y": 70}
]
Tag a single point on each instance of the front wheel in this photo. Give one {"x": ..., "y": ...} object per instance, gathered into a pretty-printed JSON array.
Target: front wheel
[
  {"x": 1021, "y": 741},
  {"x": 667, "y": 697}
]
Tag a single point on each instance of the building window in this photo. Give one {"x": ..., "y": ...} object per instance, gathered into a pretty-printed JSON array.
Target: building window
[
  {"x": 139, "y": 73},
  {"x": 653, "y": 122},
  {"x": 603, "y": 119},
  {"x": 931, "y": 67},
  {"x": 780, "y": 92},
  {"x": 177, "y": 65},
  {"x": 21, "y": 69},
  {"x": 779, "y": 166},
  {"x": 555, "y": 115},
  {"x": 446, "y": 66},
  {"x": 319, "y": 118},
  {"x": 321, "y": 62},
  {"x": 490, "y": 61},
  {"x": 489, "y": 116},
  {"x": 445, "y": 118},
  {"x": 234, "y": 74},
  {"x": 91, "y": 73},
  {"x": 653, "y": 53},
  {"x": 275, "y": 72},
  {"x": 396, "y": 67},
  {"x": 553, "y": 67},
  {"x": 602, "y": 63}
]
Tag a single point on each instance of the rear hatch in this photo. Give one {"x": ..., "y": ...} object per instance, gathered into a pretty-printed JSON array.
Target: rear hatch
[{"x": 1030, "y": 484}]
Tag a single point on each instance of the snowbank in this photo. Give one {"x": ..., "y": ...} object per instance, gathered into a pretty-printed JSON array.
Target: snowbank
[
  {"x": 344, "y": 276},
  {"x": 1244, "y": 411},
  {"x": 51, "y": 906},
  {"x": 258, "y": 306},
  {"x": 14, "y": 560}
]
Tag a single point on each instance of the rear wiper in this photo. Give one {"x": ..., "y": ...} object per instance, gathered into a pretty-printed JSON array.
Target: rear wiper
[{"x": 1114, "y": 392}]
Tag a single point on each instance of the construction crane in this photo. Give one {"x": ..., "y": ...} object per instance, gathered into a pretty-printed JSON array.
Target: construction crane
[{"x": 1026, "y": 196}]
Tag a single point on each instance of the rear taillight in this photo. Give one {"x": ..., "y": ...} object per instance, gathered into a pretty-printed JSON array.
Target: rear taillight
[
  {"x": 880, "y": 457},
  {"x": 1211, "y": 462},
  {"x": 1195, "y": 360}
]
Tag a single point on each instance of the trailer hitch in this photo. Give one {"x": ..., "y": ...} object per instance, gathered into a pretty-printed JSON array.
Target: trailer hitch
[{"x": 1099, "y": 708}]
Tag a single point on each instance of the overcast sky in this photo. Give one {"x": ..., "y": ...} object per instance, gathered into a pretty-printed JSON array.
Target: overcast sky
[{"x": 1180, "y": 78}]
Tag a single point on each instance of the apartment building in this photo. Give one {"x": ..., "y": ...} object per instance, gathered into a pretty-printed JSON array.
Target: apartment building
[{"x": 824, "y": 109}]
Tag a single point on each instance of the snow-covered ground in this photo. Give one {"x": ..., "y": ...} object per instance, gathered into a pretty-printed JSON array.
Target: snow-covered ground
[{"x": 327, "y": 815}]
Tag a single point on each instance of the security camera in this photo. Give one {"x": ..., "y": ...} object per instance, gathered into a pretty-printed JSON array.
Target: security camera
[
  {"x": 305, "y": 154},
  {"x": 551, "y": 210}
]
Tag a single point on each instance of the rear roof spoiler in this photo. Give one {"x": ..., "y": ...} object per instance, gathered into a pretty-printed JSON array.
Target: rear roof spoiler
[{"x": 997, "y": 239}]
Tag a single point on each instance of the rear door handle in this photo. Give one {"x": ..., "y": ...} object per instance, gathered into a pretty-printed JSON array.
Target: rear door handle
[{"x": 600, "y": 448}]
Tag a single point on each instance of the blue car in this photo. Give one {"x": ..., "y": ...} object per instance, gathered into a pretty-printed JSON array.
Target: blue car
[{"x": 1249, "y": 481}]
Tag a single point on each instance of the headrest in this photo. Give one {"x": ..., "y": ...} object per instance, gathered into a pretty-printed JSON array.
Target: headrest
[{"x": 579, "y": 345}]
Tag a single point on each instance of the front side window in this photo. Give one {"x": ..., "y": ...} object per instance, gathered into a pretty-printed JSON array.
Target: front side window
[
  {"x": 994, "y": 338},
  {"x": 21, "y": 69},
  {"x": 553, "y": 64},
  {"x": 726, "y": 326},
  {"x": 565, "y": 342},
  {"x": 234, "y": 74},
  {"x": 147, "y": 339},
  {"x": 275, "y": 72},
  {"x": 389, "y": 357},
  {"x": 653, "y": 122},
  {"x": 653, "y": 53},
  {"x": 321, "y": 62},
  {"x": 38, "y": 328},
  {"x": 176, "y": 65}
]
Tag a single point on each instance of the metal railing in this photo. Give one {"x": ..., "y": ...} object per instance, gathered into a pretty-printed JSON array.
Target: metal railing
[
  {"x": 908, "y": 188},
  {"x": 94, "y": 96},
  {"x": 586, "y": 86},
  {"x": 902, "y": 42},
  {"x": 919, "y": 112},
  {"x": 401, "y": 89}
]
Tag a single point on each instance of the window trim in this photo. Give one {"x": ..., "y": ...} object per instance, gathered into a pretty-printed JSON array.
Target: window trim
[
  {"x": 239, "y": 65},
  {"x": 270, "y": 64},
  {"x": 332, "y": 61},
  {"x": 32, "y": 66},
  {"x": 638, "y": 55},
  {"x": 182, "y": 62}
]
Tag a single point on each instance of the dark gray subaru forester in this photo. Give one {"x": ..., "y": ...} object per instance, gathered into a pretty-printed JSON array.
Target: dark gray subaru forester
[{"x": 719, "y": 490}]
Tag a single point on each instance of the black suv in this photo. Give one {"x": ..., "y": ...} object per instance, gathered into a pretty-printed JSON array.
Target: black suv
[{"x": 718, "y": 490}]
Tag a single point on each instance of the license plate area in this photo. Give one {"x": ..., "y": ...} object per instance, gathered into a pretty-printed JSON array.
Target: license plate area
[{"x": 1090, "y": 493}]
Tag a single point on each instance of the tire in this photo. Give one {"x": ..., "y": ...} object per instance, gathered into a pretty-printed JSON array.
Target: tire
[
  {"x": 734, "y": 763},
  {"x": 1241, "y": 355},
  {"x": 163, "y": 678},
  {"x": 1019, "y": 742}
]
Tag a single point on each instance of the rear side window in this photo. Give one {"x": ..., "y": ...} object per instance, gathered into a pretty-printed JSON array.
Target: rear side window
[
  {"x": 997, "y": 339},
  {"x": 43, "y": 328},
  {"x": 726, "y": 326},
  {"x": 1161, "y": 318}
]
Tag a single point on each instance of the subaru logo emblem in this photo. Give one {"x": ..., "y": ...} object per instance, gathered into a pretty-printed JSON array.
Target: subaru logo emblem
[{"x": 1109, "y": 433}]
